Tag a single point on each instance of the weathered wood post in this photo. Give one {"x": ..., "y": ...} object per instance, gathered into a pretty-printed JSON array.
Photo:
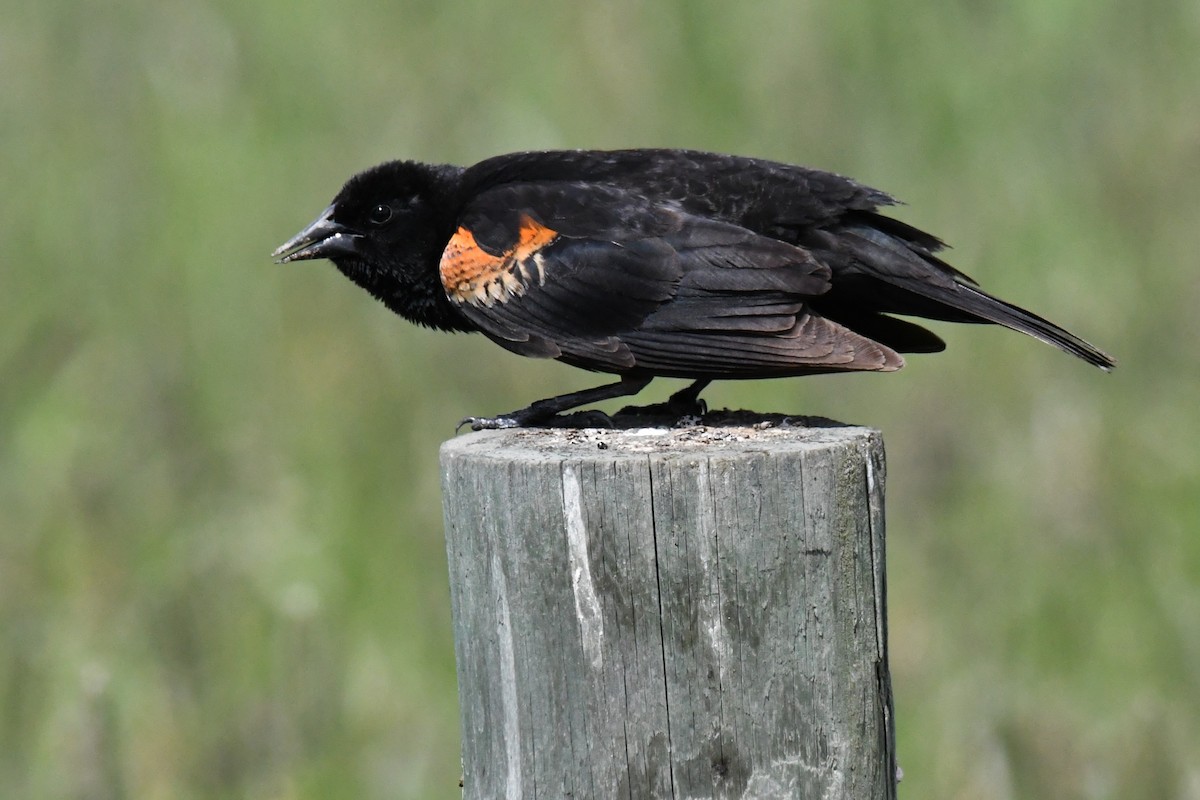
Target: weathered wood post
[{"x": 696, "y": 612}]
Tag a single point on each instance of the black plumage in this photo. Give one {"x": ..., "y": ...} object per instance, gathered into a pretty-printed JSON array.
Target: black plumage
[{"x": 648, "y": 263}]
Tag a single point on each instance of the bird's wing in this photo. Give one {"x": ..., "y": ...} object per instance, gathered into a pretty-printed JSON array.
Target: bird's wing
[{"x": 606, "y": 279}]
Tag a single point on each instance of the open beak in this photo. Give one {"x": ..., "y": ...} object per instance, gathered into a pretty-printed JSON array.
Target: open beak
[{"x": 324, "y": 238}]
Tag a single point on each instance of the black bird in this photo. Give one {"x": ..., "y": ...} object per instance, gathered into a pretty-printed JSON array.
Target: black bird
[{"x": 646, "y": 263}]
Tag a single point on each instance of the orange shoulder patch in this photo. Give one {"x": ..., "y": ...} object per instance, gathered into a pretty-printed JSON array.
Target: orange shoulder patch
[{"x": 472, "y": 275}]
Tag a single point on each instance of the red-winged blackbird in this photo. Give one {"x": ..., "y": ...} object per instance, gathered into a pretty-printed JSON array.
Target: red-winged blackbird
[{"x": 647, "y": 263}]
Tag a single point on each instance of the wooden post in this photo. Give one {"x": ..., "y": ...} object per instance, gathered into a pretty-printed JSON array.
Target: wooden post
[{"x": 684, "y": 613}]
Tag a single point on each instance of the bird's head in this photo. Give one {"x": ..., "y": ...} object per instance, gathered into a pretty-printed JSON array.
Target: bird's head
[
  {"x": 384, "y": 216},
  {"x": 385, "y": 230}
]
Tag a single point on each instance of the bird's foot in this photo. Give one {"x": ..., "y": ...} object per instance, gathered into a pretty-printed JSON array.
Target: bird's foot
[{"x": 547, "y": 413}]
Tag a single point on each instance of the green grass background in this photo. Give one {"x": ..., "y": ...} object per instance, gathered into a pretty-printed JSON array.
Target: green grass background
[{"x": 222, "y": 571}]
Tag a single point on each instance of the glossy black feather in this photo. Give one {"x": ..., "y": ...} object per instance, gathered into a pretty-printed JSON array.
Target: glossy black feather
[{"x": 661, "y": 262}]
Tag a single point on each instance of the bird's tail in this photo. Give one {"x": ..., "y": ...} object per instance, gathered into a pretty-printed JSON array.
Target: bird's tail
[
  {"x": 899, "y": 274},
  {"x": 975, "y": 301}
]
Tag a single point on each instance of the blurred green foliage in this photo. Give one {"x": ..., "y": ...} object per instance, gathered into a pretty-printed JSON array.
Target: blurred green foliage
[{"x": 221, "y": 564}]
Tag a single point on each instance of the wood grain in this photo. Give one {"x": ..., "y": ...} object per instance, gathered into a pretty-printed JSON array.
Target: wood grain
[{"x": 670, "y": 613}]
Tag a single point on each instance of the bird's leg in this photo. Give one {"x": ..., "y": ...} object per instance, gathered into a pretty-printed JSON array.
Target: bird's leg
[
  {"x": 544, "y": 410},
  {"x": 685, "y": 402},
  {"x": 688, "y": 399}
]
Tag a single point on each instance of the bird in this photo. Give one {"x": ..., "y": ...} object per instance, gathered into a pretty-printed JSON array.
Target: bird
[{"x": 646, "y": 263}]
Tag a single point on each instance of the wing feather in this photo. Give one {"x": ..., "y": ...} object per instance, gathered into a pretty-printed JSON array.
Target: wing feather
[{"x": 610, "y": 281}]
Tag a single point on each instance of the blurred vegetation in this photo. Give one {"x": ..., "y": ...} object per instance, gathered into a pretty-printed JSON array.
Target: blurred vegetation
[{"x": 221, "y": 564}]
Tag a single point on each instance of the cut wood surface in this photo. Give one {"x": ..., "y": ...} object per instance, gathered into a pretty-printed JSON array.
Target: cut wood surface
[{"x": 671, "y": 613}]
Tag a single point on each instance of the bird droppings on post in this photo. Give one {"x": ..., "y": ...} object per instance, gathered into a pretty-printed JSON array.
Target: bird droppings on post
[{"x": 639, "y": 434}]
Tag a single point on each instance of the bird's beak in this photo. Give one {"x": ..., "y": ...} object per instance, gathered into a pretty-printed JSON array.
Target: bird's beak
[{"x": 324, "y": 238}]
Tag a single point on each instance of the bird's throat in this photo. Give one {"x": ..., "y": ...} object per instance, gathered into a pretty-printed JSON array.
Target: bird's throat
[{"x": 416, "y": 295}]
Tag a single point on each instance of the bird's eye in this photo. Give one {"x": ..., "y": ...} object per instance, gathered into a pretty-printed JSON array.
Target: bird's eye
[{"x": 380, "y": 214}]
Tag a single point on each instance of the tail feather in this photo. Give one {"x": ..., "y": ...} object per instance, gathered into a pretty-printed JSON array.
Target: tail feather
[
  {"x": 880, "y": 270},
  {"x": 993, "y": 309}
]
